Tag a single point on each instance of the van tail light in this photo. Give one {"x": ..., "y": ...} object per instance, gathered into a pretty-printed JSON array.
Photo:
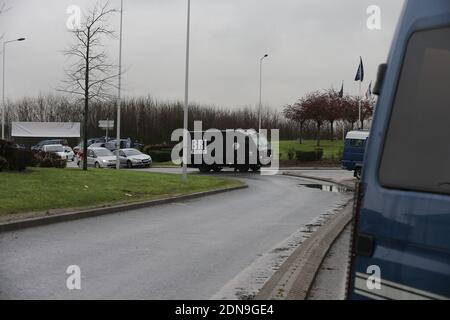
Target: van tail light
[{"x": 357, "y": 206}]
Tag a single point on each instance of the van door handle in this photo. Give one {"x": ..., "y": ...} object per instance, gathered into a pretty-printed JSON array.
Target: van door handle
[{"x": 365, "y": 245}]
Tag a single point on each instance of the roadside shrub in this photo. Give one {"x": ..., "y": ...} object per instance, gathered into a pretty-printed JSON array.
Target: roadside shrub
[
  {"x": 315, "y": 155},
  {"x": 157, "y": 147},
  {"x": 50, "y": 160},
  {"x": 3, "y": 164},
  {"x": 161, "y": 155},
  {"x": 16, "y": 159},
  {"x": 5, "y": 146},
  {"x": 19, "y": 159}
]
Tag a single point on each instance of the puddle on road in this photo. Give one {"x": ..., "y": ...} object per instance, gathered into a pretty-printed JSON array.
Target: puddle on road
[{"x": 326, "y": 187}]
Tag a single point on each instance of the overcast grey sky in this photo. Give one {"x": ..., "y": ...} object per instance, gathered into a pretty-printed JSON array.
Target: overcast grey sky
[{"x": 312, "y": 44}]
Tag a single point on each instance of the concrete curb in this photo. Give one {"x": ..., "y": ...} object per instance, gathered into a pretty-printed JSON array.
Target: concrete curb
[
  {"x": 94, "y": 212},
  {"x": 296, "y": 275}
]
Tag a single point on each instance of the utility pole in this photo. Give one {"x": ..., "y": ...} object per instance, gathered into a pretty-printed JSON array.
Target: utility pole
[
  {"x": 3, "y": 84},
  {"x": 260, "y": 92},
  {"x": 119, "y": 91},
  {"x": 186, "y": 97}
]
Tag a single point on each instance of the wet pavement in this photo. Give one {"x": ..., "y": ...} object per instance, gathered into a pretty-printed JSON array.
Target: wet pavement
[{"x": 187, "y": 250}]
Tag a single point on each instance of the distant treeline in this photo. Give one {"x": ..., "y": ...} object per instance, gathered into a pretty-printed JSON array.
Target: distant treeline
[{"x": 149, "y": 120}]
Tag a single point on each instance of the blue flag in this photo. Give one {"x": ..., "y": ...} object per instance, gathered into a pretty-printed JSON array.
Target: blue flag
[
  {"x": 369, "y": 91},
  {"x": 360, "y": 73}
]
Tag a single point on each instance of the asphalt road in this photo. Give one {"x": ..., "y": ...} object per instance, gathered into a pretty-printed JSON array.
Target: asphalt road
[{"x": 186, "y": 250}]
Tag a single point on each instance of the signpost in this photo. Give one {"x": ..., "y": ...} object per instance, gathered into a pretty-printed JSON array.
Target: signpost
[{"x": 106, "y": 125}]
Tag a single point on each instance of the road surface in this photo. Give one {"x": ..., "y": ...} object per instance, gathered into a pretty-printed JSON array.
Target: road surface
[{"x": 187, "y": 250}]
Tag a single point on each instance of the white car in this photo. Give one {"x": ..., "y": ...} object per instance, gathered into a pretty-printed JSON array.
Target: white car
[
  {"x": 99, "y": 158},
  {"x": 55, "y": 148},
  {"x": 69, "y": 153},
  {"x": 134, "y": 158}
]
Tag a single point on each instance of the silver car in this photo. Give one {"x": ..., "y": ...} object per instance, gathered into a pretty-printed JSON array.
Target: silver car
[
  {"x": 69, "y": 153},
  {"x": 99, "y": 158},
  {"x": 134, "y": 158}
]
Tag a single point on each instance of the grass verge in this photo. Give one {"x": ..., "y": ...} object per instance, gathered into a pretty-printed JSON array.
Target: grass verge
[
  {"x": 332, "y": 149},
  {"x": 45, "y": 190}
]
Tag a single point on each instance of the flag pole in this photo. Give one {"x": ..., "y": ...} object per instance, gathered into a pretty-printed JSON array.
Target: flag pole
[{"x": 359, "y": 105}]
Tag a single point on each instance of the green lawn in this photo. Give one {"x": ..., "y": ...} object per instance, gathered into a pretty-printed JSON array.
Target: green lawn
[
  {"x": 40, "y": 189},
  {"x": 330, "y": 148}
]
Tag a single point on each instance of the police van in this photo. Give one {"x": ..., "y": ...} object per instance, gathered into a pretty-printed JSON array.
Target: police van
[
  {"x": 353, "y": 155},
  {"x": 242, "y": 150},
  {"x": 401, "y": 238}
]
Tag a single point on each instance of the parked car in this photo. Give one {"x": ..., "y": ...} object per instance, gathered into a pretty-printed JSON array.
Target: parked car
[
  {"x": 19, "y": 146},
  {"x": 78, "y": 148},
  {"x": 98, "y": 145},
  {"x": 55, "y": 148},
  {"x": 69, "y": 153},
  {"x": 124, "y": 144},
  {"x": 95, "y": 143},
  {"x": 38, "y": 147},
  {"x": 99, "y": 158},
  {"x": 95, "y": 140},
  {"x": 354, "y": 147},
  {"x": 112, "y": 144},
  {"x": 401, "y": 235},
  {"x": 134, "y": 158}
]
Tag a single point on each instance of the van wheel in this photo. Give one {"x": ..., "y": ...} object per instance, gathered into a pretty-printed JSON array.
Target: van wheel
[
  {"x": 243, "y": 168},
  {"x": 97, "y": 165},
  {"x": 129, "y": 165},
  {"x": 358, "y": 173},
  {"x": 204, "y": 169}
]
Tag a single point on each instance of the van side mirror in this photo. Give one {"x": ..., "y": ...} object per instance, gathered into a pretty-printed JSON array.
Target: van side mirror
[{"x": 380, "y": 79}]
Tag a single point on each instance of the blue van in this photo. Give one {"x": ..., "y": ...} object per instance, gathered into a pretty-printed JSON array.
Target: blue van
[
  {"x": 354, "y": 147},
  {"x": 401, "y": 235}
]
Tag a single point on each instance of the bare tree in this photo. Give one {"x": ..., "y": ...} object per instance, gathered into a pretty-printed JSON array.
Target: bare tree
[
  {"x": 296, "y": 113},
  {"x": 91, "y": 76}
]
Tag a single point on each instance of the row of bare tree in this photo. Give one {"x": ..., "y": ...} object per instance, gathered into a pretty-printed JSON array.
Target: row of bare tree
[
  {"x": 320, "y": 107},
  {"x": 152, "y": 121},
  {"x": 145, "y": 119}
]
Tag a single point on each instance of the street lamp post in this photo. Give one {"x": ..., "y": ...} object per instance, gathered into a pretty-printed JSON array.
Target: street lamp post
[
  {"x": 186, "y": 96},
  {"x": 260, "y": 91},
  {"x": 119, "y": 96},
  {"x": 3, "y": 84}
]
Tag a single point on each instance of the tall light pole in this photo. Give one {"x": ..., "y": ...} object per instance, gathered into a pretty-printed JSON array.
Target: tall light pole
[
  {"x": 260, "y": 91},
  {"x": 119, "y": 92},
  {"x": 3, "y": 84},
  {"x": 186, "y": 96}
]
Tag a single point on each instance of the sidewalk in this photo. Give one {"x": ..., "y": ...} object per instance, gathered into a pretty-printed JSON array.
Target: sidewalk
[{"x": 330, "y": 281}]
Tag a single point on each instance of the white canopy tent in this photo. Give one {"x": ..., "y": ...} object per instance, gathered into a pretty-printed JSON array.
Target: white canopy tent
[{"x": 46, "y": 129}]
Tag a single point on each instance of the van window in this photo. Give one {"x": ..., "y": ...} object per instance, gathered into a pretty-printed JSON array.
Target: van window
[
  {"x": 416, "y": 154},
  {"x": 356, "y": 143}
]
